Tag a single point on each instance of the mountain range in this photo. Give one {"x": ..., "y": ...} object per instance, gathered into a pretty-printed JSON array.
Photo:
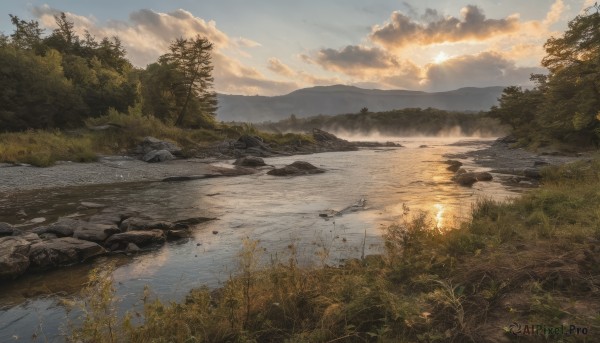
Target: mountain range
[{"x": 340, "y": 99}]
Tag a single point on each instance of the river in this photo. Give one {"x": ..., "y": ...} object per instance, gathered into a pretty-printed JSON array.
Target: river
[{"x": 276, "y": 211}]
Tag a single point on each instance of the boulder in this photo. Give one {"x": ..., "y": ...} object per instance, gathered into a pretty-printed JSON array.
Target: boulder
[
  {"x": 178, "y": 234},
  {"x": 120, "y": 241},
  {"x": 247, "y": 141},
  {"x": 6, "y": 229},
  {"x": 484, "y": 176},
  {"x": 155, "y": 156},
  {"x": 296, "y": 168},
  {"x": 64, "y": 227},
  {"x": 95, "y": 232},
  {"x": 150, "y": 144},
  {"x": 14, "y": 256},
  {"x": 466, "y": 179},
  {"x": 249, "y": 161},
  {"x": 142, "y": 224},
  {"x": 453, "y": 165},
  {"x": 62, "y": 251}
]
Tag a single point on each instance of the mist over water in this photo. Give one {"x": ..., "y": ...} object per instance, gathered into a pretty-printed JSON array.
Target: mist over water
[{"x": 274, "y": 210}]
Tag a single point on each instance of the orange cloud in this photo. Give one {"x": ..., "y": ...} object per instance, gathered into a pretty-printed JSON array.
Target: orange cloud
[{"x": 402, "y": 30}]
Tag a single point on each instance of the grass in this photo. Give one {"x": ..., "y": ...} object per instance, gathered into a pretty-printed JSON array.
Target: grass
[
  {"x": 534, "y": 260},
  {"x": 44, "y": 148}
]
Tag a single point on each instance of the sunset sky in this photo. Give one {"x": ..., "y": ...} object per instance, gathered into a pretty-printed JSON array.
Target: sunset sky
[{"x": 274, "y": 47}]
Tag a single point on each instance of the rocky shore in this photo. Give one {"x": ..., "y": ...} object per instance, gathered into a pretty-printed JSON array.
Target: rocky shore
[{"x": 155, "y": 160}]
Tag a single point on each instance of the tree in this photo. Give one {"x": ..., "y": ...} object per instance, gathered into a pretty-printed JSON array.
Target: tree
[
  {"x": 565, "y": 103},
  {"x": 364, "y": 110},
  {"x": 27, "y": 35},
  {"x": 191, "y": 58},
  {"x": 572, "y": 88}
]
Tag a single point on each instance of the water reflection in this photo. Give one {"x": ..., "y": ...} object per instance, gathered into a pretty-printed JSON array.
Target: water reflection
[{"x": 276, "y": 211}]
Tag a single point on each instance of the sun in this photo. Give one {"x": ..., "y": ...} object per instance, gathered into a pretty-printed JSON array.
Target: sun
[{"x": 441, "y": 58}]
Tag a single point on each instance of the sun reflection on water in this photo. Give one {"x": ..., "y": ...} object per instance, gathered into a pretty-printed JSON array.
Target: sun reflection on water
[{"x": 439, "y": 215}]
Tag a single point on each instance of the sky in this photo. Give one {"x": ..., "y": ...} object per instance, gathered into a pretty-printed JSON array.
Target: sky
[{"x": 264, "y": 47}]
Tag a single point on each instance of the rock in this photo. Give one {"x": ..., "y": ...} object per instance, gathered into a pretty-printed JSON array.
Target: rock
[
  {"x": 131, "y": 247},
  {"x": 158, "y": 156},
  {"x": 215, "y": 232},
  {"x": 62, "y": 251},
  {"x": 258, "y": 151},
  {"x": 31, "y": 237},
  {"x": 64, "y": 227},
  {"x": 91, "y": 204},
  {"x": 95, "y": 232},
  {"x": 467, "y": 179},
  {"x": 532, "y": 173},
  {"x": 37, "y": 220},
  {"x": 47, "y": 235},
  {"x": 461, "y": 171},
  {"x": 14, "y": 256},
  {"x": 323, "y": 136},
  {"x": 141, "y": 224},
  {"x": 483, "y": 176},
  {"x": 540, "y": 163},
  {"x": 6, "y": 229},
  {"x": 423, "y": 146},
  {"x": 151, "y": 144},
  {"x": 139, "y": 238},
  {"x": 178, "y": 234},
  {"x": 296, "y": 168},
  {"x": 247, "y": 141},
  {"x": 453, "y": 165},
  {"x": 106, "y": 218},
  {"x": 249, "y": 161}
]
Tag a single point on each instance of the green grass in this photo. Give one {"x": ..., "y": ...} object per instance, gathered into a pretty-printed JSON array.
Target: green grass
[
  {"x": 45, "y": 148},
  {"x": 535, "y": 259}
]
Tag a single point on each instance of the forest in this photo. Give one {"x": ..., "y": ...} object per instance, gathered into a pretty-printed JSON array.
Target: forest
[{"x": 59, "y": 80}]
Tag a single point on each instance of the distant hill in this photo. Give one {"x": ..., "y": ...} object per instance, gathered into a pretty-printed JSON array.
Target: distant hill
[{"x": 341, "y": 99}]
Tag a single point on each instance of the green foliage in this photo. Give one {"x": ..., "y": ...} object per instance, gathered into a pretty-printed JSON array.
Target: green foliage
[
  {"x": 565, "y": 104},
  {"x": 59, "y": 80},
  {"x": 186, "y": 71},
  {"x": 44, "y": 148}
]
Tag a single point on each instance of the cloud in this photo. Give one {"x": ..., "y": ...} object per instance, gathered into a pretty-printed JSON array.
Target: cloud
[
  {"x": 352, "y": 59},
  {"x": 246, "y": 43},
  {"x": 481, "y": 70},
  {"x": 147, "y": 35},
  {"x": 276, "y": 66},
  {"x": 402, "y": 29},
  {"x": 556, "y": 11}
]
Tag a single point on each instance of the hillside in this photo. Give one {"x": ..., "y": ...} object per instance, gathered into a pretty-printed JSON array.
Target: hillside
[{"x": 340, "y": 99}]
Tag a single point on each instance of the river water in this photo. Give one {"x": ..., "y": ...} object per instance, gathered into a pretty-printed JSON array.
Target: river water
[{"x": 279, "y": 212}]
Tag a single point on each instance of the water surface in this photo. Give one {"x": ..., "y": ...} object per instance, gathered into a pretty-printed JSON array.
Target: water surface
[{"x": 276, "y": 211}]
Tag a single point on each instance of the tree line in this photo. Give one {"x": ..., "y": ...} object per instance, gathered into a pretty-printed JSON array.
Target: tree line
[
  {"x": 60, "y": 79},
  {"x": 408, "y": 121},
  {"x": 564, "y": 105}
]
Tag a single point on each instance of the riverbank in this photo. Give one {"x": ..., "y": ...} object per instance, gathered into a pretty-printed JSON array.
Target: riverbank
[{"x": 524, "y": 270}]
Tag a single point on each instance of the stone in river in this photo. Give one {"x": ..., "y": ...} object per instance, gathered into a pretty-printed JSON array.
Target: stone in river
[
  {"x": 62, "y": 251},
  {"x": 14, "y": 256},
  {"x": 120, "y": 241},
  {"x": 6, "y": 229},
  {"x": 140, "y": 224},
  {"x": 296, "y": 168},
  {"x": 95, "y": 232}
]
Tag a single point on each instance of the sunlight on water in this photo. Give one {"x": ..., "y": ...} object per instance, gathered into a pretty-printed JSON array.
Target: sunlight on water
[
  {"x": 397, "y": 184},
  {"x": 439, "y": 215}
]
